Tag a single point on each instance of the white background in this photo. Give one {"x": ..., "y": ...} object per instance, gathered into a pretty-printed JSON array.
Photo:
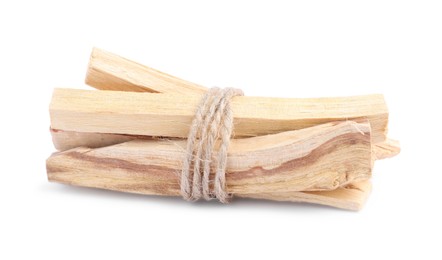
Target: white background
[{"x": 273, "y": 48}]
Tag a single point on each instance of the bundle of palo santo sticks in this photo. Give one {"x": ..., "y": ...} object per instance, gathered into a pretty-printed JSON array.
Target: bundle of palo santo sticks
[{"x": 130, "y": 136}]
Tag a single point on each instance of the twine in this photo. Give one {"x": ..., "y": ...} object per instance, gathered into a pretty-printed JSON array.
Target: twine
[{"x": 213, "y": 120}]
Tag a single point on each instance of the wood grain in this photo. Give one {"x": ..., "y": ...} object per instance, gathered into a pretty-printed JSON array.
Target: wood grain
[
  {"x": 107, "y": 71},
  {"x": 155, "y": 114},
  {"x": 133, "y": 75},
  {"x": 323, "y": 157},
  {"x": 387, "y": 149},
  {"x": 350, "y": 197},
  {"x": 65, "y": 140}
]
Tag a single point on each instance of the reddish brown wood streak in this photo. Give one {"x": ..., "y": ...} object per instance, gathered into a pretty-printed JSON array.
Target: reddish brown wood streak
[
  {"x": 324, "y": 149},
  {"x": 153, "y": 170},
  {"x": 163, "y": 179}
]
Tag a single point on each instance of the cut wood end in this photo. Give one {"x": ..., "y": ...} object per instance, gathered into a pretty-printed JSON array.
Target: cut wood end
[
  {"x": 351, "y": 197},
  {"x": 103, "y": 74},
  {"x": 108, "y": 71},
  {"x": 387, "y": 149}
]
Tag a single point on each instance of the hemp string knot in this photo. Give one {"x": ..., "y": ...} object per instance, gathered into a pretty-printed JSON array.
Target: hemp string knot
[{"x": 213, "y": 120}]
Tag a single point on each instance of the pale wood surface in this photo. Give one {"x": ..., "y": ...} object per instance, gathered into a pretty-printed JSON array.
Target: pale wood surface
[
  {"x": 155, "y": 114},
  {"x": 118, "y": 73},
  {"x": 350, "y": 197},
  {"x": 110, "y": 71},
  {"x": 323, "y": 157},
  {"x": 65, "y": 140},
  {"x": 329, "y": 156},
  {"x": 107, "y": 71},
  {"x": 132, "y": 75},
  {"x": 387, "y": 149}
]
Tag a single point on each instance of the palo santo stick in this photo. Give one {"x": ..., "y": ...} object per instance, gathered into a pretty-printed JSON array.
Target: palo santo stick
[
  {"x": 65, "y": 140},
  {"x": 323, "y": 157},
  {"x": 107, "y": 71},
  {"x": 155, "y": 114},
  {"x": 351, "y": 197},
  {"x": 387, "y": 149}
]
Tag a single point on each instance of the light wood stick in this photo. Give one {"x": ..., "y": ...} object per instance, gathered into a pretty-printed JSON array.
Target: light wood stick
[
  {"x": 155, "y": 114},
  {"x": 107, "y": 71},
  {"x": 350, "y": 197},
  {"x": 323, "y": 157},
  {"x": 387, "y": 149},
  {"x": 65, "y": 140}
]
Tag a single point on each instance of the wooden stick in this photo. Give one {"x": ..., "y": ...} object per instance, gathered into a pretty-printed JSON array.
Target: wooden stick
[
  {"x": 350, "y": 197},
  {"x": 107, "y": 71},
  {"x": 155, "y": 114},
  {"x": 65, "y": 140},
  {"x": 387, "y": 149},
  {"x": 323, "y": 157}
]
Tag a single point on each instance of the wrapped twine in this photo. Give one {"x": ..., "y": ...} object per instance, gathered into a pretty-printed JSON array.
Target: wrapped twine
[{"x": 213, "y": 120}]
